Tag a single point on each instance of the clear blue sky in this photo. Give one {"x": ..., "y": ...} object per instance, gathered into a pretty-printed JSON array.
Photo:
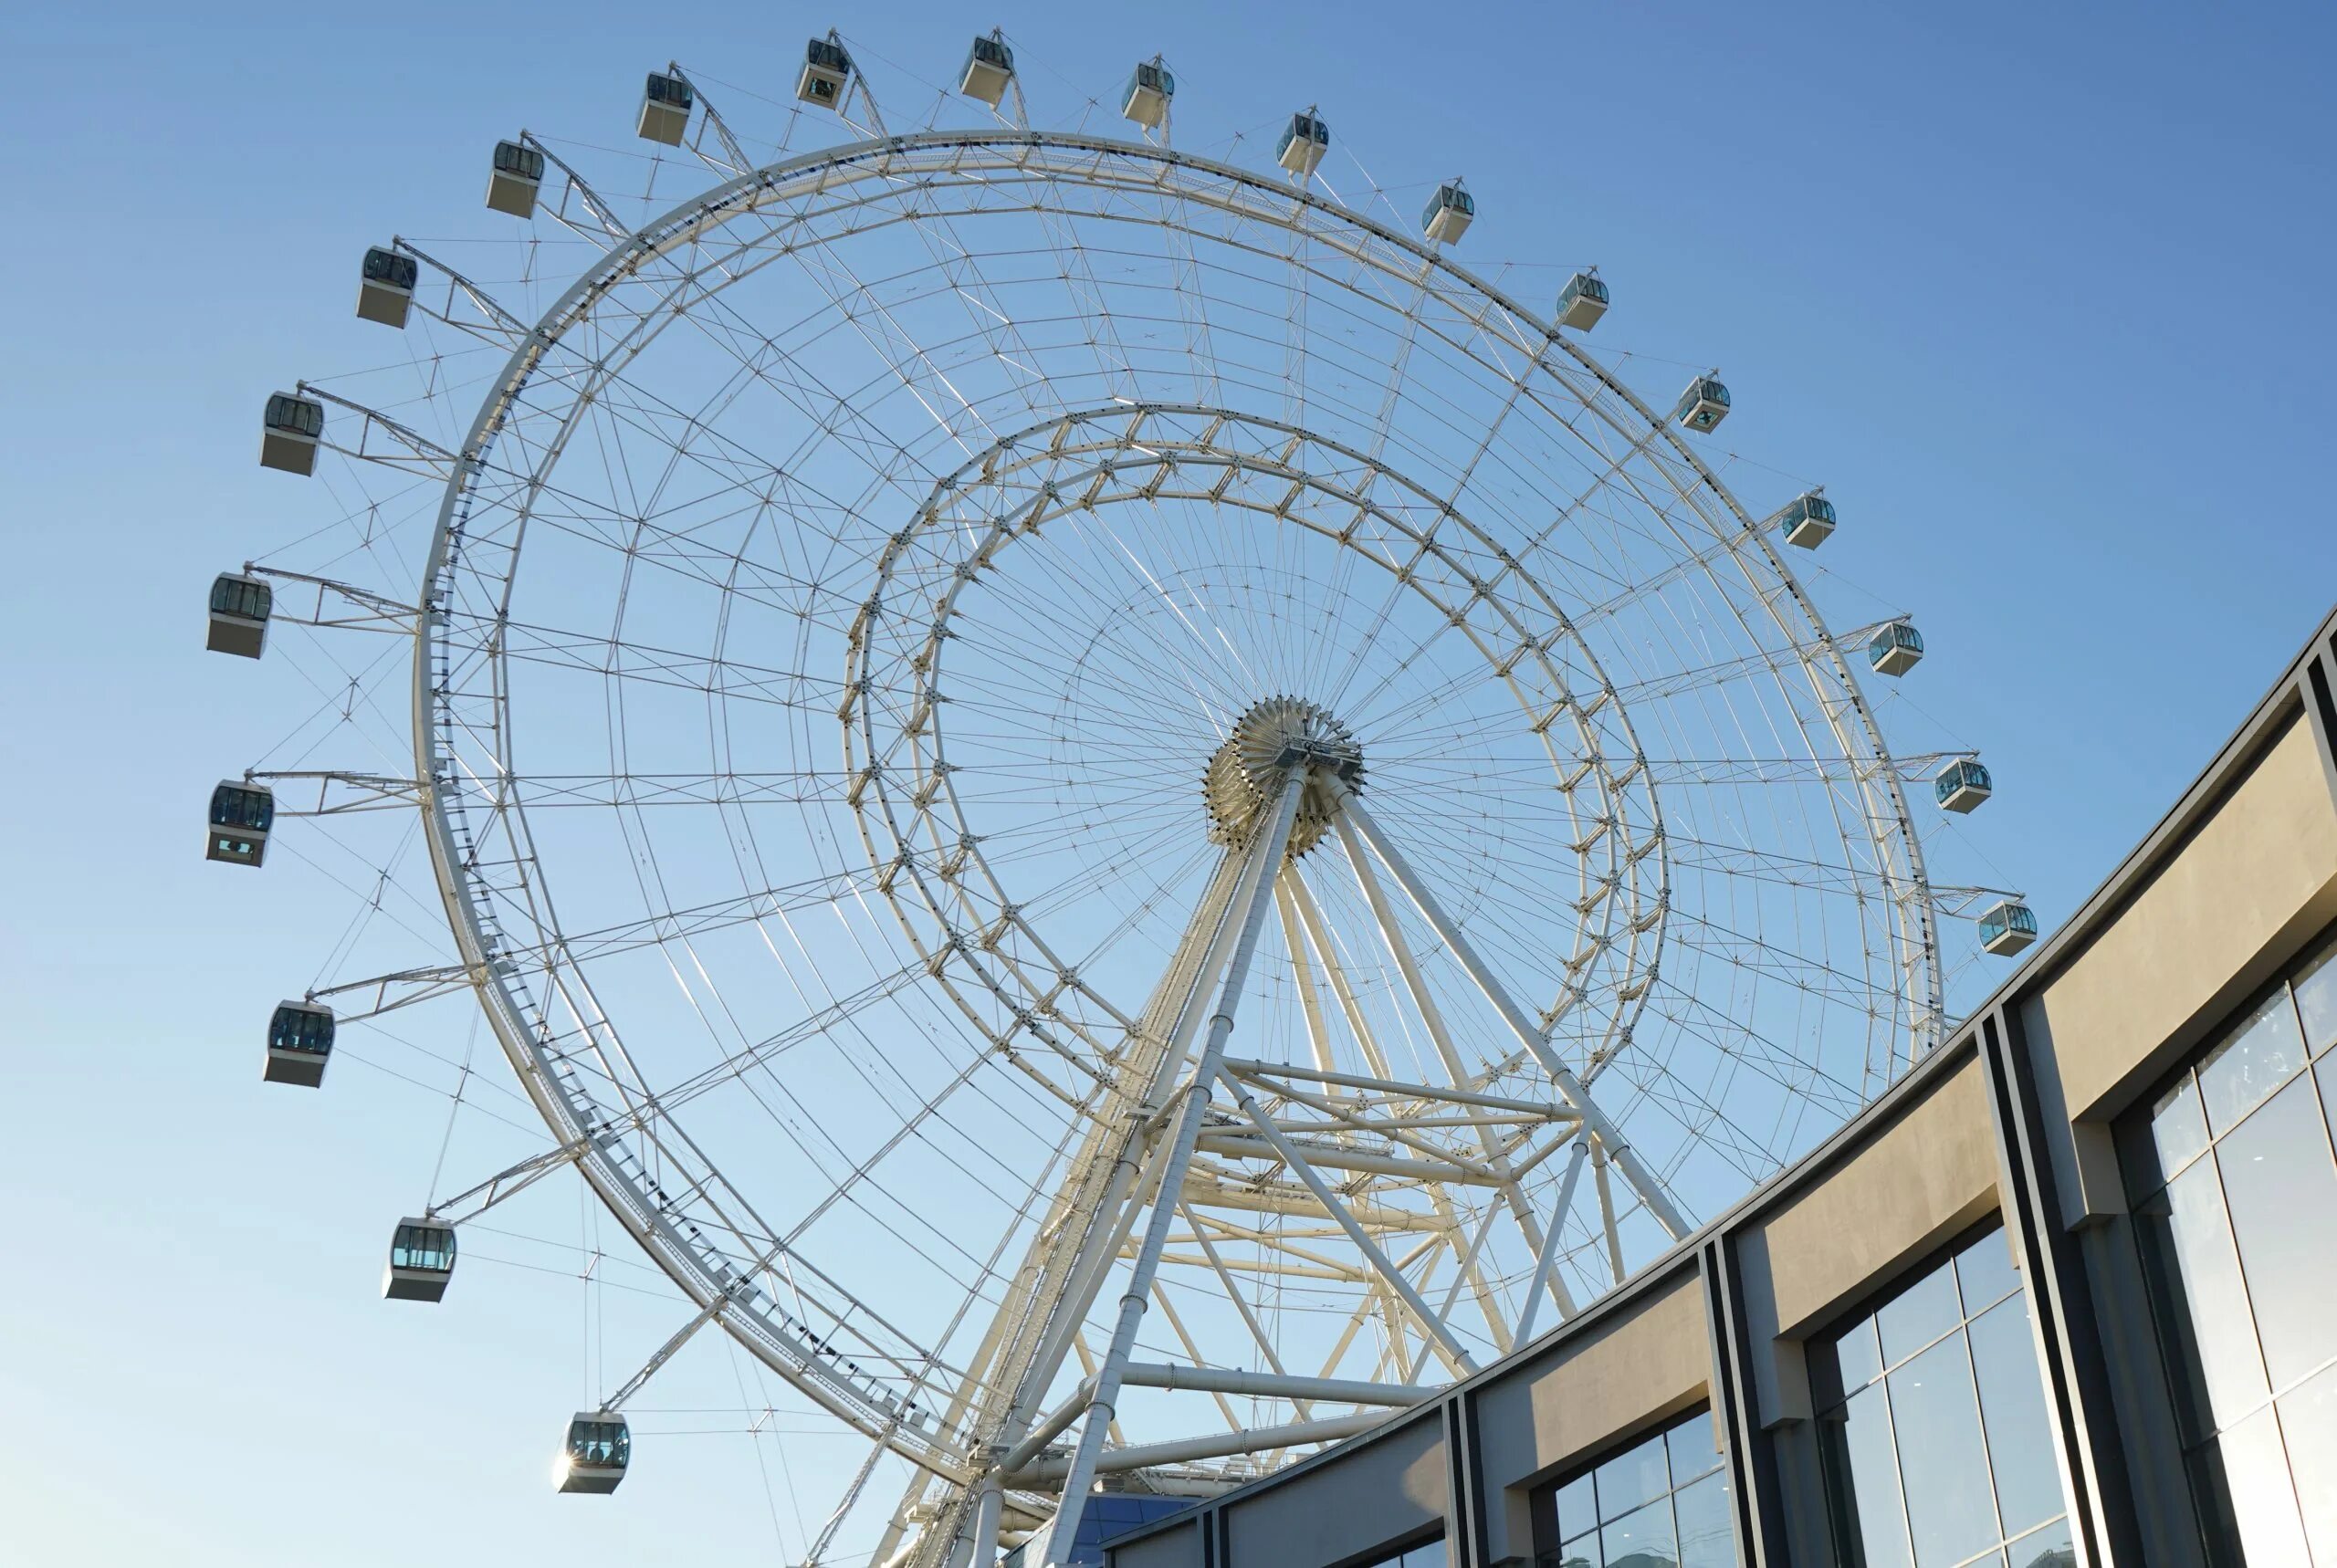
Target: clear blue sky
[{"x": 2041, "y": 293}]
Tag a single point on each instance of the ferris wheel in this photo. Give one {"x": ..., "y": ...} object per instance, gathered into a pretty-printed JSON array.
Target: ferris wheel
[{"x": 1122, "y": 815}]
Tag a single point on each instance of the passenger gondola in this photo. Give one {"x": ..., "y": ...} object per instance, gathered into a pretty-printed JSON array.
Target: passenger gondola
[
  {"x": 239, "y": 611},
  {"x": 598, "y": 1448},
  {"x": 1704, "y": 405},
  {"x": 1145, "y": 99},
  {"x": 292, "y": 427},
  {"x": 385, "y": 290},
  {"x": 518, "y": 176},
  {"x": 1303, "y": 141},
  {"x": 1449, "y": 213},
  {"x": 421, "y": 1260},
  {"x": 1809, "y": 521},
  {"x": 827, "y": 69},
  {"x": 990, "y": 69},
  {"x": 241, "y": 815},
  {"x": 300, "y": 1043},
  {"x": 664, "y": 109},
  {"x": 1895, "y": 649},
  {"x": 1582, "y": 301}
]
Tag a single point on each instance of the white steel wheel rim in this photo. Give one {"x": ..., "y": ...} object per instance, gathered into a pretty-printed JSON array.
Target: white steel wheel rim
[{"x": 544, "y": 1008}]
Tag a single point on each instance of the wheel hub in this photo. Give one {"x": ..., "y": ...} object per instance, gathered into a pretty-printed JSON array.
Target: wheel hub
[{"x": 1270, "y": 736}]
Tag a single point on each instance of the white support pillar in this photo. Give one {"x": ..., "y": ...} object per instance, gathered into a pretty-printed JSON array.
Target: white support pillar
[
  {"x": 1599, "y": 1162},
  {"x": 987, "y": 1505},
  {"x": 1635, "y": 1170},
  {"x": 1266, "y": 852},
  {"x": 1545, "y": 1264}
]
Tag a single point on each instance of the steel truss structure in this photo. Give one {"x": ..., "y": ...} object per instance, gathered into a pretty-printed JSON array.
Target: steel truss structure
[{"x": 1256, "y": 823}]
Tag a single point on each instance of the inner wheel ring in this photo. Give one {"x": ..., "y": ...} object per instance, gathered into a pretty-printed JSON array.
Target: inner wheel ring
[{"x": 986, "y": 938}]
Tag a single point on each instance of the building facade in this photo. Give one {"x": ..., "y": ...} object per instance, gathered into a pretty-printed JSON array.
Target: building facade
[{"x": 2067, "y": 1294}]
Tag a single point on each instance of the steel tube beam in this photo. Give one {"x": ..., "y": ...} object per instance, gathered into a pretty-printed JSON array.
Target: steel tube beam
[
  {"x": 1115, "y": 1214},
  {"x": 1240, "y": 1145},
  {"x": 1271, "y": 1386},
  {"x": 1552, "y": 1109},
  {"x": 1355, "y": 1232},
  {"x": 1212, "y": 1194},
  {"x": 1046, "y": 1431},
  {"x": 1598, "y": 1163},
  {"x": 986, "y": 1512},
  {"x": 1545, "y": 1265},
  {"x": 1048, "y": 1473},
  {"x": 1267, "y": 851},
  {"x": 1635, "y": 1170}
]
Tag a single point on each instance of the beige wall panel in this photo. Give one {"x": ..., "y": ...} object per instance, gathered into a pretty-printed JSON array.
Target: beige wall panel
[
  {"x": 1378, "y": 1491},
  {"x": 1928, "y": 1175},
  {"x": 1574, "y": 1403},
  {"x": 1555, "y": 1409},
  {"x": 2262, "y": 865}
]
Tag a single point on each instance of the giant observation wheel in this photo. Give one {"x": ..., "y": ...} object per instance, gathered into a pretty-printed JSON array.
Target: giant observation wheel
[{"x": 1121, "y": 814}]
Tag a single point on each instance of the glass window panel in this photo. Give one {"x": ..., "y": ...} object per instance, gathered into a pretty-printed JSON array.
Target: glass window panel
[
  {"x": 1582, "y": 1552},
  {"x": 1950, "y": 1512},
  {"x": 2309, "y": 1427},
  {"x": 1694, "y": 1447},
  {"x": 2169, "y": 1139},
  {"x": 1707, "y": 1529},
  {"x": 2325, "y": 1073},
  {"x": 2012, "y": 1409},
  {"x": 1860, "y": 1356},
  {"x": 2262, "y": 1052},
  {"x": 2200, "y": 1305},
  {"x": 1986, "y": 1272},
  {"x": 2316, "y": 990},
  {"x": 1918, "y": 1315},
  {"x": 2048, "y": 1548},
  {"x": 1430, "y": 1554},
  {"x": 1577, "y": 1510},
  {"x": 2263, "y": 1507},
  {"x": 2205, "y": 1468},
  {"x": 1642, "y": 1539},
  {"x": 1631, "y": 1478},
  {"x": 1863, "y": 1480},
  {"x": 2281, "y": 1188}
]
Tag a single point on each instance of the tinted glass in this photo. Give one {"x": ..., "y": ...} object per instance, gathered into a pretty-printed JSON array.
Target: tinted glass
[
  {"x": 2259, "y": 1055},
  {"x": 1642, "y": 1538},
  {"x": 2048, "y": 1548},
  {"x": 1865, "y": 1479},
  {"x": 1694, "y": 1447},
  {"x": 1950, "y": 1512},
  {"x": 2012, "y": 1410},
  {"x": 2178, "y": 1127},
  {"x": 1860, "y": 1356},
  {"x": 2263, "y": 1507},
  {"x": 2281, "y": 1188},
  {"x": 2206, "y": 1305},
  {"x": 1577, "y": 1510},
  {"x": 2316, "y": 990},
  {"x": 1707, "y": 1532},
  {"x": 1618, "y": 1515},
  {"x": 1985, "y": 1272},
  {"x": 2309, "y": 1427},
  {"x": 1928, "y": 1310},
  {"x": 1630, "y": 1478}
]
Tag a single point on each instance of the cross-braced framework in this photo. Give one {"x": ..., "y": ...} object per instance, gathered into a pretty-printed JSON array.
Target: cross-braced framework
[{"x": 1174, "y": 819}]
